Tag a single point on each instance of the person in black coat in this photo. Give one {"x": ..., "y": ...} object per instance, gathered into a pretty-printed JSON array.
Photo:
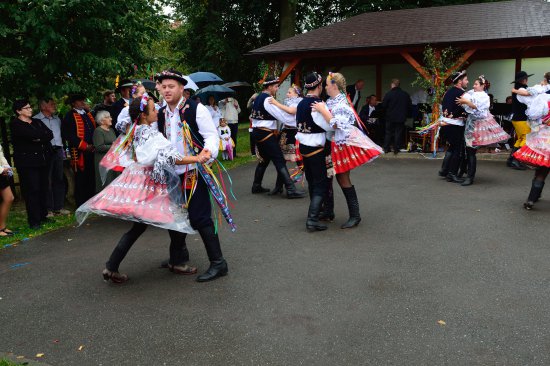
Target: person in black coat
[
  {"x": 397, "y": 107},
  {"x": 125, "y": 89},
  {"x": 354, "y": 92},
  {"x": 31, "y": 153}
]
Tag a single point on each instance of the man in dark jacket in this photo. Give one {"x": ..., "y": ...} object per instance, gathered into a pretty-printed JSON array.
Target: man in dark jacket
[
  {"x": 125, "y": 89},
  {"x": 397, "y": 107},
  {"x": 354, "y": 92}
]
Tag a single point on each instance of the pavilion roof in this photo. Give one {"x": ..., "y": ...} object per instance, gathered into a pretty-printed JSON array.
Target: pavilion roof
[{"x": 504, "y": 20}]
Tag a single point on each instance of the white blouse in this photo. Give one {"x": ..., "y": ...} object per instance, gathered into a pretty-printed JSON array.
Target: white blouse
[
  {"x": 343, "y": 118},
  {"x": 481, "y": 101}
]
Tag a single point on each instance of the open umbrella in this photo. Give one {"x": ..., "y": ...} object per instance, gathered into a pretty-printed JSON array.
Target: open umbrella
[
  {"x": 219, "y": 92},
  {"x": 202, "y": 78},
  {"x": 148, "y": 84},
  {"x": 190, "y": 83},
  {"x": 237, "y": 84}
]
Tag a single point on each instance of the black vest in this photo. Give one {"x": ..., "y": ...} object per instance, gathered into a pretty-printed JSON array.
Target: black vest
[
  {"x": 258, "y": 110},
  {"x": 188, "y": 113},
  {"x": 449, "y": 106},
  {"x": 304, "y": 120},
  {"x": 518, "y": 108}
]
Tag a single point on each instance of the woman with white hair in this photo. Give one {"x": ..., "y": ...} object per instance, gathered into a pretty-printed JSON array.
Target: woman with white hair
[{"x": 104, "y": 136}]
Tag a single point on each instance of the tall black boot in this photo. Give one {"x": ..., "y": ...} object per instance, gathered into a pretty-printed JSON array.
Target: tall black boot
[
  {"x": 472, "y": 167},
  {"x": 291, "y": 190},
  {"x": 278, "y": 186},
  {"x": 218, "y": 265},
  {"x": 353, "y": 208},
  {"x": 534, "y": 194},
  {"x": 258, "y": 177},
  {"x": 327, "y": 208},
  {"x": 463, "y": 167},
  {"x": 312, "y": 223},
  {"x": 445, "y": 165}
]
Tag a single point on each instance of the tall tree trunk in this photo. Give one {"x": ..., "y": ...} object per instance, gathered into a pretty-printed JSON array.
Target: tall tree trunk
[{"x": 287, "y": 16}]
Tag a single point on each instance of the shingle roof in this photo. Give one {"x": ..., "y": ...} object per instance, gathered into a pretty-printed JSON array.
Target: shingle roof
[{"x": 435, "y": 25}]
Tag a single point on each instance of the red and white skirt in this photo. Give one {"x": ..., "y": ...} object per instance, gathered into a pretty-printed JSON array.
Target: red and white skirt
[
  {"x": 135, "y": 196},
  {"x": 358, "y": 150},
  {"x": 536, "y": 150},
  {"x": 483, "y": 132}
]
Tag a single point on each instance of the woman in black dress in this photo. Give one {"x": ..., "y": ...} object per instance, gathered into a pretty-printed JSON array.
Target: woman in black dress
[{"x": 31, "y": 152}]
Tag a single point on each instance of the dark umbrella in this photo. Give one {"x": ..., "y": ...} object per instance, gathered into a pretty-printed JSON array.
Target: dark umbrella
[
  {"x": 148, "y": 84},
  {"x": 203, "y": 79},
  {"x": 237, "y": 84},
  {"x": 219, "y": 92}
]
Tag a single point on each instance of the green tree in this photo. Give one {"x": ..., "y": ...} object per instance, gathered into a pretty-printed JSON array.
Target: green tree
[{"x": 53, "y": 47}]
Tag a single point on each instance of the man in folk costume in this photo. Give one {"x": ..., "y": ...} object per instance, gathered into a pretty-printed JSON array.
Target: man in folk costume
[
  {"x": 78, "y": 130},
  {"x": 125, "y": 89},
  {"x": 264, "y": 129},
  {"x": 179, "y": 114},
  {"x": 452, "y": 120},
  {"x": 519, "y": 120}
]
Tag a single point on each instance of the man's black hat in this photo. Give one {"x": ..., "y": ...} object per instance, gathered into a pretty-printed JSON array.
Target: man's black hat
[
  {"x": 171, "y": 74},
  {"x": 312, "y": 80},
  {"x": 124, "y": 83},
  {"x": 520, "y": 76},
  {"x": 74, "y": 97}
]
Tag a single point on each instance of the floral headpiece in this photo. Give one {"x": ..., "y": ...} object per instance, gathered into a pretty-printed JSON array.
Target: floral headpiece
[
  {"x": 330, "y": 78},
  {"x": 144, "y": 100},
  {"x": 486, "y": 84},
  {"x": 297, "y": 89}
]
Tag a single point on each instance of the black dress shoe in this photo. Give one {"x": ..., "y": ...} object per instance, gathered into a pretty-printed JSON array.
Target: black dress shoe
[
  {"x": 312, "y": 226},
  {"x": 259, "y": 189},
  {"x": 528, "y": 205},
  {"x": 217, "y": 269},
  {"x": 467, "y": 182},
  {"x": 453, "y": 178}
]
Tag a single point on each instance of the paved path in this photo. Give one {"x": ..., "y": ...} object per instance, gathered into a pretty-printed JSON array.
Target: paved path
[{"x": 426, "y": 251}]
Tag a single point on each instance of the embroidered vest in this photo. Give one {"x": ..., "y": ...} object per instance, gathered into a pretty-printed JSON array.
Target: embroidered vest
[
  {"x": 304, "y": 120},
  {"x": 188, "y": 113},
  {"x": 258, "y": 110}
]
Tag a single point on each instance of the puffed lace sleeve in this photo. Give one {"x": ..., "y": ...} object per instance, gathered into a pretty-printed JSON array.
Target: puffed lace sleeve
[
  {"x": 482, "y": 102},
  {"x": 538, "y": 89}
]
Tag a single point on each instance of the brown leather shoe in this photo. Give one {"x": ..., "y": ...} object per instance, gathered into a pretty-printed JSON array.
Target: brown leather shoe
[
  {"x": 183, "y": 270},
  {"x": 114, "y": 277}
]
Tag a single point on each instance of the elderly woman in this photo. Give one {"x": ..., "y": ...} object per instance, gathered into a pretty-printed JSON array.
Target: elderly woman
[
  {"x": 31, "y": 153},
  {"x": 104, "y": 136}
]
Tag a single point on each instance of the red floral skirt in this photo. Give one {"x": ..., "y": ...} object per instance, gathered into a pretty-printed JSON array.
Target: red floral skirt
[
  {"x": 346, "y": 157},
  {"x": 528, "y": 156}
]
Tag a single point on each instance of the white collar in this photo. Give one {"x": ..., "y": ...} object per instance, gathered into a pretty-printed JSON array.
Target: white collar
[
  {"x": 80, "y": 111},
  {"x": 179, "y": 103}
]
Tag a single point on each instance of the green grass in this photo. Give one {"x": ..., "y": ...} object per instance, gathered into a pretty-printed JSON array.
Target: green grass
[
  {"x": 17, "y": 219},
  {"x": 6, "y": 362}
]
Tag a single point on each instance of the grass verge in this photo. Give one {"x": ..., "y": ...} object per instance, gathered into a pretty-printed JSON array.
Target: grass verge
[{"x": 17, "y": 220}]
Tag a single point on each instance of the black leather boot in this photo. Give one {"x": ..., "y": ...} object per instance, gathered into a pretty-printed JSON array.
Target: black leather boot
[
  {"x": 534, "y": 194},
  {"x": 258, "y": 177},
  {"x": 445, "y": 165},
  {"x": 218, "y": 265},
  {"x": 472, "y": 167},
  {"x": 291, "y": 190},
  {"x": 312, "y": 223},
  {"x": 278, "y": 187},
  {"x": 353, "y": 208},
  {"x": 327, "y": 208},
  {"x": 453, "y": 178}
]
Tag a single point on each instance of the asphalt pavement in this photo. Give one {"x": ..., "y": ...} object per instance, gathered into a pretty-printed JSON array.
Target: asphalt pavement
[{"x": 435, "y": 274}]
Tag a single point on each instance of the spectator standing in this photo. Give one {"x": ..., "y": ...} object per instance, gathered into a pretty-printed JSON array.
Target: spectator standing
[
  {"x": 370, "y": 115},
  {"x": 103, "y": 138},
  {"x": 214, "y": 110},
  {"x": 249, "y": 105},
  {"x": 354, "y": 92},
  {"x": 109, "y": 98},
  {"x": 31, "y": 153},
  {"x": 6, "y": 194},
  {"x": 230, "y": 112},
  {"x": 125, "y": 88},
  {"x": 396, "y": 106},
  {"x": 78, "y": 130},
  {"x": 56, "y": 181}
]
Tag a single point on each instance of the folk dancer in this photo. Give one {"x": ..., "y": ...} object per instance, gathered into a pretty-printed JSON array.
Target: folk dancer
[
  {"x": 452, "y": 130},
  {"x": 264, "y": 130},
  {"x": 350, "y": 147}
]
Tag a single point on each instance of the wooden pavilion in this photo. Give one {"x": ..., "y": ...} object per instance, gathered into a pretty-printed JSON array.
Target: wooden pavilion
[{"x": 515, "y": 29}]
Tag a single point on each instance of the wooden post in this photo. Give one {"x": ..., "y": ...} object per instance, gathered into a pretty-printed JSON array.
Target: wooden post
[
  {"x": 518, "y": 64},
  {"x": 407, "y": 56},
  {"x": 298, "y": 76},
  {"x": 378, "y": 72},
  {"x": 289, "y": 69}
]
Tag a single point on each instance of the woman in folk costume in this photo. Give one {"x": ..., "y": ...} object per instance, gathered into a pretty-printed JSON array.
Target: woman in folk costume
[
  {"x": 287, "y": 137},
  {"x": 535, "y": 98},
  {"x": 350, "y": 147},
  {"x": 148, "y": 192},
  {"x": 536, "y": 151},
  {"x": 481, "y": 128}
]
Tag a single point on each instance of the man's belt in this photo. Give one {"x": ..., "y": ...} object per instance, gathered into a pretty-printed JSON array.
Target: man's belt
[
  {"x": 313, "y": 153},
  {"x": 272, "y": 133}
]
